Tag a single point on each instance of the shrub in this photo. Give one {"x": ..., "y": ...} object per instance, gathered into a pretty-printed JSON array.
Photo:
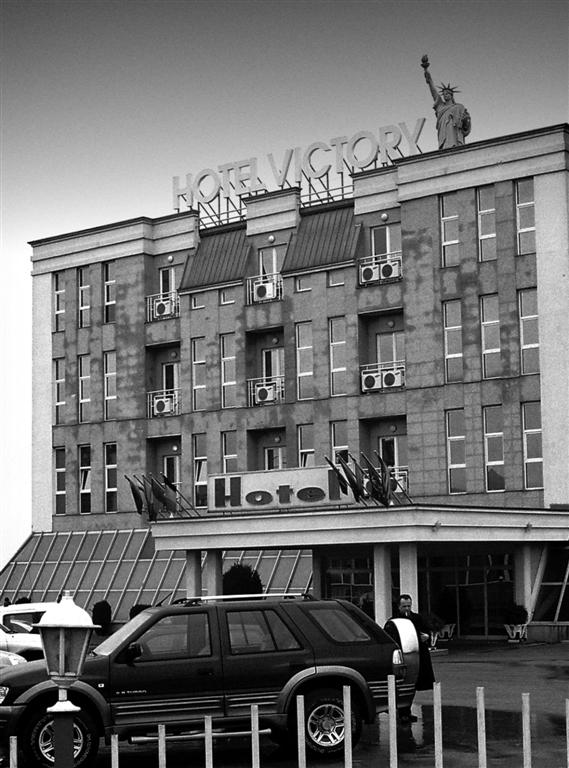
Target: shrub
[{"x": 242, "y": 580}]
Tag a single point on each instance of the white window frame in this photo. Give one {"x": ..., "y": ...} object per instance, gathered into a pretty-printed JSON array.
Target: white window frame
[
  {"x": 111, "y": 488},
  {"x": 493, "y": 438},
  {"x": 303, "y": 283},
  {"x": 339, "y": 446},
  {"x": 60, "y": 485},
  {"x": 84, "y": 483},
  {"x": 305, "y": 443},
  {"x": 396, "y": 353},
  {"x": 447, "y": 244},
  {"x": 524, "y": 320},
  {"x": 200, "y": 469},
  {"x": 83, "y": 297},
  {"x": 198, "y": 301},
  {"x": 528, "y": 433},
  {"x": 229, "y": 452},
  {"x": 226, "y": 296},
  {"x": 337, "y": 347},
  {"x": 521, "y": 209},
  {"x": 228, "y": 370},
  {"x": 483, "y": 215},
  {"x": 452, "y": 330},
  {"x": 59, "y": 388},
  {"x": 110, "y": 384},
  {"x": 59, "y": 301},
  {"x": 392, "y": 240},
  {"x": 274, "y": 457},
  {"x": 109, "y": 292},
  {"x": 198, "y": 372},
  {"x": 336, "y": 278},
  {"x": 84, "y": 382},
  {"x": 487, "y": 326},
  {"x": 167, "y": 280},
  {"x": 452, "y": 440},
  {"x": 304, "y": 351},
  {"x": 171, "y": 468}
]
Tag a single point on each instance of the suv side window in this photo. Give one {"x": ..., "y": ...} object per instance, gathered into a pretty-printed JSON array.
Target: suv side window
[
  {"x": 338, "y": 625},
  {"x": 178, "y": 636},
  {"x": 259, "y": 631}
]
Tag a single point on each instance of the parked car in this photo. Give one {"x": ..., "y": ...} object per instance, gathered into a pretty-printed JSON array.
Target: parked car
[
  {"x": 26, "y": 643},
  {"x": 20, "y": 617},
  {"x": 8, "y": 659},
  {"x": 175, "y": 664}
]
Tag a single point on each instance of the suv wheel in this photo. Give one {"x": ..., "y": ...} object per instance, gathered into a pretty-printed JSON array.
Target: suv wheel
[
  {"x": 38, "y": 744},
  {"x": 325, "y": 722}
]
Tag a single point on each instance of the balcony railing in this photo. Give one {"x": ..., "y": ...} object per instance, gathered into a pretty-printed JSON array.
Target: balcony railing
[
  {"x": 264, "y": 288},
  {"x": 401, "y": 474},
  {"x": 163, "y": 402},
  {"x": 161, "y": 306},
  {"x": 381, "y": 269},
  {"x": 382, "y": 376},
  {"x": 265, "y": 391}
]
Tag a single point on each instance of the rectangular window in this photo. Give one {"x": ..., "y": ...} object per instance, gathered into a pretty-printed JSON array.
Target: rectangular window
[
  {"x": 167, "y": 278},
  {"x": 198, "y": 301},
  {"x": 339, "y": 437},
  {"x": 271, "y": 260},
  {"x": 386, "y": 240},
  {"x": 198, "y": 374},
  {"x": 456, "y": 451},
  {"x": 486, "y": 206},
  {"x": 171, "y": 468},
  {"x": 533, "y": 452},
  {"x": 335, "y": 278},
  {"x": 529, "y": 330},
  {"x": 227, "y": 296},
  {"x": 60, "y": 482},
  {"x": 59, "y": 301},
  {"x": 449, "y": 229},
  {"x": 110, "y": 384},
  {"x": 109, "y": 292},
  {"x": 305, "y": 433},
  {"x": 494, "y": 447},
  {"x": 525, "y": 216},
  {"x": 452, "y": 319},
  {"x": 390, "y": 347},
  {"x": 229, "y": 451},
  {"x": 59, "y": 388},
  {"x": 84, "y": 370},
  {"x": 303, "y": 283},
  {"x": 83, "y": 297},
  {"x": 274, "y": 457},
  {"x": 304, "y": 361},
  {"x": 200, "y": 470},
  {"x": 490, "y": 327},
  {"x": 337, "y": 331},
  {"x": 84, "y": 479},
  {"x": 111, "y": 496},
  {"x": 228, "y": 377}
]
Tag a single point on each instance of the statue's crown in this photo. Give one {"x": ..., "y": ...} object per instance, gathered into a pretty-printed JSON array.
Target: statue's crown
[{"x": 448, "y": 87}]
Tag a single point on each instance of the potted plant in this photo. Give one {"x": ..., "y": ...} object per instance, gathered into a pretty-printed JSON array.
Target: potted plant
[
  {"x": 516, "y": 622},
  {"x": 435, "y": 624}
]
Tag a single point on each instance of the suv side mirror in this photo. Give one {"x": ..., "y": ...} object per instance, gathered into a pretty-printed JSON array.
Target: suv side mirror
[{"x": 133, "y": 652}]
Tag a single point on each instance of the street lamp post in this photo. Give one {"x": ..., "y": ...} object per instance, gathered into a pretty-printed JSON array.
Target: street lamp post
[{"x": 65, "y": 631}]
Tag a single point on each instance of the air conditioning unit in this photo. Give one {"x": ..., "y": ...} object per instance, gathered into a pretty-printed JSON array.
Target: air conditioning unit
[
  {"x": 389, "y": 269},
  {"x": 265, "y": 393},
  {"x": 264, "y": 291},
  {"x": 163, "y": 307},
  {"x": 371, "y": 381},
  {"x": 391, "y": 378},
  {"x": 369, "y": 273},
  {"x": 162, "y": 404}
]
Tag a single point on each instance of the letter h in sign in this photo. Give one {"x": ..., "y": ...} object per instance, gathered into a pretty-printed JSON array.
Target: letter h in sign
[{"x": 221, "y": 497}]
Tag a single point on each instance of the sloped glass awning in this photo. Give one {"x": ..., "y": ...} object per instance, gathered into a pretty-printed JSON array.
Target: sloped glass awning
[{"x": 124, "y": 568}]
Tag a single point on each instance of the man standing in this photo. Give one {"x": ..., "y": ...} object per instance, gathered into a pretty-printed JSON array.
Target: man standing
[{"x": 426, "y": 676}]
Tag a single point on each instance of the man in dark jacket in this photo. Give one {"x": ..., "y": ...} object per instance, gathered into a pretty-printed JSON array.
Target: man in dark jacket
[{"x": 426, "y": 676}]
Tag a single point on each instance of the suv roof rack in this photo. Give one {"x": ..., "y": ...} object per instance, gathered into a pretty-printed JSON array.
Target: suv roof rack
[{"x": 248, "y": 596}]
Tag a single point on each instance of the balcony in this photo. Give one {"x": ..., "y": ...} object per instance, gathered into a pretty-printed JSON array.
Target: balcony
[
  {"x": 387, "y": 268},
  {"x": 265, "y": 391},
  {"x": 401, "y": 475},
  {"x": 163, "y": 402},
  {"x": 162, "y": 306},
  {"x": 377, "y": 377},
  {"x": 264, "y": 288}
]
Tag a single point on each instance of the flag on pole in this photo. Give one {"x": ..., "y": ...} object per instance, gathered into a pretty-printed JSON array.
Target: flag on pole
[
  {"x": 149, "y": 496},
  {"x": 360, "y": 477},
  {"x": 136, "y": 495},
  {"x": 376, "y": 481},
  {"x": 357, "y": 489},
  {"x": 170, "y": 495},
  {"x": 340, "y": 477}
]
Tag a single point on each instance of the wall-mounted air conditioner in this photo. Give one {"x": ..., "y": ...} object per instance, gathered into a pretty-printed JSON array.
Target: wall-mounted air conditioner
[
  {"x": 389, "y": 269},
  {"x": 163, "y": 307},
  {"x": 371, "y": 381},
  {"x": 264, "y": 291},
  {"x": 265, "y": 393},
  {"x": 162, "y": 404},
  {"x": 391, "y": 378},
  {"x": 369, "y": 273}
]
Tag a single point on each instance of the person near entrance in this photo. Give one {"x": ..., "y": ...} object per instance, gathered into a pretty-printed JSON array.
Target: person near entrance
[{"x": 426, "y": 676}]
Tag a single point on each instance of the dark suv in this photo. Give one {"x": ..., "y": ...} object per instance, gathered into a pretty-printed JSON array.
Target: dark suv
[{"x": 174, "y": 664}]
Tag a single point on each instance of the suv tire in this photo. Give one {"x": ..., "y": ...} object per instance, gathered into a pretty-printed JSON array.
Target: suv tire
[
  {"x": 37, "y": 741},
  {"x": 324, "y": 722}
]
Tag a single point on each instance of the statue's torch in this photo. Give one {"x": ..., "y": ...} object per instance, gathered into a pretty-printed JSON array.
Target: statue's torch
[{"x": 425, "y": 62}]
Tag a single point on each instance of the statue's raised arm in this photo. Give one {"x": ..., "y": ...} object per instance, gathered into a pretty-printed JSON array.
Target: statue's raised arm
[{"x": 453, "y": 120}]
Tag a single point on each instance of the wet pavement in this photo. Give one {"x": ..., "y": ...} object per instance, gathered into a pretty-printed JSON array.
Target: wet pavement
[{"x": 505, "y": 672}]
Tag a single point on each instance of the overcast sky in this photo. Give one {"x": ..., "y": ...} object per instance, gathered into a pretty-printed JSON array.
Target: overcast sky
[{"x": 103, "y": 102}]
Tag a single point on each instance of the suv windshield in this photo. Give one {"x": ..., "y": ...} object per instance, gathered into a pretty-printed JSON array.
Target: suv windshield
[{"x": 127, "y": 630}]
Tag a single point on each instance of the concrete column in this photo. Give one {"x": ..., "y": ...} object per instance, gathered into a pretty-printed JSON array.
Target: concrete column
[
  {"x": 382, "y": 583},
  {"x": 193, "y": 573},
  {"x": 317, "y": 573},
  {"x": 213, "y": 576},
  {"x": 408, "y": 579}
]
